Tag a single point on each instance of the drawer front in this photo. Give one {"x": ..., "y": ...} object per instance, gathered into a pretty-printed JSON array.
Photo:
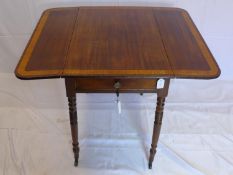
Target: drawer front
[{"x": 107, "y": 85}]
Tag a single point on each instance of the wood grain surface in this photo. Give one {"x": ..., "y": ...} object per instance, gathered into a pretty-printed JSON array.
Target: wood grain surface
[
  {"x": 116, "y": 39},
  {"x": 47, "y": 49},
  {"x": 88, "y": 85},
  {"x": 117, "y": 42}
]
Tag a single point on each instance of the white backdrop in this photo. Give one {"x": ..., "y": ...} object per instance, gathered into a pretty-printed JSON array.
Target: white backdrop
[{"x": 34, "y": 124}]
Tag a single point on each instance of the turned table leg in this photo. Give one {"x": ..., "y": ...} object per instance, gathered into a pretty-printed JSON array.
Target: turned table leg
[
  {"x": 157, "y": 127},
  {"x": 161, "y": 93},
  {"x": 71, "y": 94}
]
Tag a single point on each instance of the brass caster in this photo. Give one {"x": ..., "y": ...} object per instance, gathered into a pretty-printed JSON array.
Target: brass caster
[
  {"x": 76, "y": 162},
  {"x": 150, "y": 165}
]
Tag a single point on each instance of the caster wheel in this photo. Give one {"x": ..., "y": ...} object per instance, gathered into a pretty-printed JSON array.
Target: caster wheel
[
  {"x": 150, "y": 165},
  {"x": 76, "y": 163}
]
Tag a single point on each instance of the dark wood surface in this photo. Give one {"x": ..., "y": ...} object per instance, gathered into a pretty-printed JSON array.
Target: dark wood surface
[
  {"x": 94, "y": 48},
  {"x": 71, "y": 95},
  {"x": 52, "y": 45},
  {"x": 88, "y": 85},
  {"x": 116, "y": 41},
  {"x": 161, "y": 96}
]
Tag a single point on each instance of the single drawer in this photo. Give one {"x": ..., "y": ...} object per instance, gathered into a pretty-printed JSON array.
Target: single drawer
[{"x": 107, "y": 85}]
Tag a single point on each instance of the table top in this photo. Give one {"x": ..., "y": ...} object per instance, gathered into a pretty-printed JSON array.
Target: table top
[{"x": 116, "y": 42}]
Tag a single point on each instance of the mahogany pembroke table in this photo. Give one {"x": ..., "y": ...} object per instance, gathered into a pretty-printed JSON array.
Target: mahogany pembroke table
[{"x": 116, "y": 50}]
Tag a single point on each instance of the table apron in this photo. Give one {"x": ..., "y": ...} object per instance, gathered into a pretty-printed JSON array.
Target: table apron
[{"x": 106, "y": 85}]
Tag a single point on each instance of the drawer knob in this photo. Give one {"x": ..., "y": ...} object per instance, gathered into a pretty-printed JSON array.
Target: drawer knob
[{"x": 117, "y": 85}]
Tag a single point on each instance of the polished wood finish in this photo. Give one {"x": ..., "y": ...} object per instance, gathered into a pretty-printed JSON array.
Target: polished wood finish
[
  {"x": 188, "y": 54},
  {"x": 47, "y": 49},
  {"x": 107, "y": 39},
  {"x": 117, "y": 41},
  {"x": 162, "y": 93},
  {"x": 71, "y": 95},
  {"x": 61, "y": 24},
  {"x": 92, "y": 48},
  {"x": 107, "y": 85},
  {"x": 157, "y": 128}
]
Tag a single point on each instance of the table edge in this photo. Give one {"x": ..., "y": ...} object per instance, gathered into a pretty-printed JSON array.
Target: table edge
[{"x": 21, "y": 73}]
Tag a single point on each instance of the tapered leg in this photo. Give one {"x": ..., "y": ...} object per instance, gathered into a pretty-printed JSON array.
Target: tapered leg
[
  {"x": 71, "y": 94},
  {"x": 74, "y": 127},
  {"x": 157, "y": 128},
  {"x": 162, "y": 94}
]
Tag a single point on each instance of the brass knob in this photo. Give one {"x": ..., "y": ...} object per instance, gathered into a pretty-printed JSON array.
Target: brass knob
[{"x": 117, "y": 85}]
